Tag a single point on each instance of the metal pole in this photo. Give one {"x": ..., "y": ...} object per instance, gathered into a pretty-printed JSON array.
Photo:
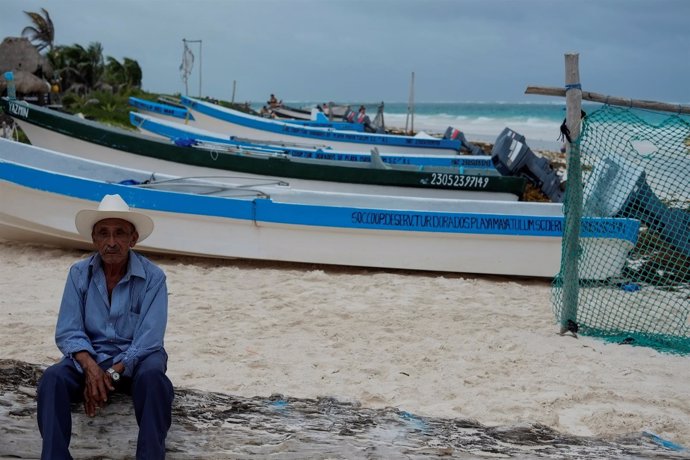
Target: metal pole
[
  {"x": 200, "y": 42},
  {"x": 186, "y": 76}
]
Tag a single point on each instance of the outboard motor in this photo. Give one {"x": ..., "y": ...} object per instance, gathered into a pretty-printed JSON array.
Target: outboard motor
[
  {"x": 366, "y": 122},
  {"x": 620, "y": 188},
  {"x": 378, "y": 125},
  {"x": 512, "y": 157},
  {"x": 453, "y": 134}
]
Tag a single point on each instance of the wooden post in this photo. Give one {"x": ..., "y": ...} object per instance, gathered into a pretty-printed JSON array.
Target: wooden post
[
  {"x": 571, "y": 236},
  {"x": 410, "y": 109},
  {"x": 200, "y": 65}
]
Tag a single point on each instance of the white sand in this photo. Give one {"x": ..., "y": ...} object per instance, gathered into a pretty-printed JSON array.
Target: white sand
[{"x": 484, "y": 348}]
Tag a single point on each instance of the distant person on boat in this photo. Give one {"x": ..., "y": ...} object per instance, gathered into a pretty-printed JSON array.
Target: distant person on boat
[
  {"x": 362, "y": 114},
  {"x": 110, "y": 330},
  {"x": 267, "y": 113},
  {"x": 273, "y": 102},
  {"x": 326, "y": 109},
  {"x": 363, "y": 119}
]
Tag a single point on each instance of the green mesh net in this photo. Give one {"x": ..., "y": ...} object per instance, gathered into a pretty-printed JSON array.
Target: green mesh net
[{"x": 633, "y": 166}]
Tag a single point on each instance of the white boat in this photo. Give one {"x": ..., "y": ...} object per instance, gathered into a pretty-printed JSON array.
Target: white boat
[
  {"x": 175, "y": 131},
  {"x": 177, "y": 113},
  {"x": 42, "y": 190},
  {"x": 216, "y": 118}
]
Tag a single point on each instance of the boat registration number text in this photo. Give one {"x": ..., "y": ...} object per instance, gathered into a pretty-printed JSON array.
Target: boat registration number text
[
  {"x": 458, "y": 180},
  {"x": 20, "y": 110}
]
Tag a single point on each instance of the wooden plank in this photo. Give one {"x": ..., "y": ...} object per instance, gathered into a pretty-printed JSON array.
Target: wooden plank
[{"x": 612, "y": 100}]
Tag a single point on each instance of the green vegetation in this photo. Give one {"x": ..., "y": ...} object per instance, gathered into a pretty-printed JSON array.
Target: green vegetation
[
  {"x": 80, "y": 69},
  {"x": 83, "y": 70},
  {"x": 104, "y": 106},
  {"x": 113, "y": 108},
  {"x": 83, "y": 80}
]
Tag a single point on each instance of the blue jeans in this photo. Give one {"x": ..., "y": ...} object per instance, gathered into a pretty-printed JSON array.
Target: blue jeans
[{"x": 152, "y": 393}]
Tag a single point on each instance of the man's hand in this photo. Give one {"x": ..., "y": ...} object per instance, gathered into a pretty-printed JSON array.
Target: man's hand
[
  {"x": 119, "y": 368},
  {"x": 97, "y": 383}
]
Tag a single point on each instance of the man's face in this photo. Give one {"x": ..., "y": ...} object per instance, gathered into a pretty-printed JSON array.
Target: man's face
[{"x": 113, "y": 238}]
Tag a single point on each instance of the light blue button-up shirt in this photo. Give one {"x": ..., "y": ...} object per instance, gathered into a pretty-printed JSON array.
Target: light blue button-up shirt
[{"x": 128, "y": 328}]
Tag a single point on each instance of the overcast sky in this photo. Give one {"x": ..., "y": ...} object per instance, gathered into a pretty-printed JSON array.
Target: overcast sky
[{"x": 366, "y": 50}]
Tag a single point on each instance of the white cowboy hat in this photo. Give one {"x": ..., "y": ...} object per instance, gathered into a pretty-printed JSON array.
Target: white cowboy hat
[{"x": 113, "y": 207}]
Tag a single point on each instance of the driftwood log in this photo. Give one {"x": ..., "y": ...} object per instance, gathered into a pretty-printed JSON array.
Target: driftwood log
[{"x": 217, "y": 426}]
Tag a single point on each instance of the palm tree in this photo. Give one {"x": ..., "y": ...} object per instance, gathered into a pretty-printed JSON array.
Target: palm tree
[
  {"x": 114, "y": 72},
  {"x": 85, "y": 69},
  {"x": 122, "y": 75},
  {"x": 42, "y": 32},
  {"x": 81, "y": 69},
  {"x": 65, "y": 60},
  {"x": 93, "y": 66},
  {"x": 133, "y": 73}
]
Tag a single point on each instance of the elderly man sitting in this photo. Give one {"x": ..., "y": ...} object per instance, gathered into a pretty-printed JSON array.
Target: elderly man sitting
[{"x": 110, "y": 330}]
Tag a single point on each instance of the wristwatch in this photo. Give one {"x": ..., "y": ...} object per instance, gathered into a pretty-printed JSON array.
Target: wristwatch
[{"x": 113, "y": 374}]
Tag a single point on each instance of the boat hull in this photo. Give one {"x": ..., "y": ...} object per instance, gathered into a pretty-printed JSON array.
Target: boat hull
[
  {"x": 219, "y": 119},
  {"x": 175, "y": 131},
  {"x": 199, "y": 235},
  {"x": 40, "y": 204}
]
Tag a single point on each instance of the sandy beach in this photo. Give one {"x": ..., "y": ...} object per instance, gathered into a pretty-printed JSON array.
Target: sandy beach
[{"x": 483, "y": 348}]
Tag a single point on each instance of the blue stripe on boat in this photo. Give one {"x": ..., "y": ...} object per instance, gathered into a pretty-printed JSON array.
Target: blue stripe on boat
[
  {"x": 175, "y": 133},
  {"x": 321, "y": 134},
  {"x": 162, "y": 109},
  {"x": 266, "y": 210}
]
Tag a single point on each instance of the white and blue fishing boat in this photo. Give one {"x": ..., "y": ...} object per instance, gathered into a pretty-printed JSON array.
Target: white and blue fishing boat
[
  {"x": 180, "y": 113},
  {"x": 220, "y": 119},
  {"x": 161, "y": 110},
  {"x": 183, "y": 134},
  {"x": 43, "y": 190}
]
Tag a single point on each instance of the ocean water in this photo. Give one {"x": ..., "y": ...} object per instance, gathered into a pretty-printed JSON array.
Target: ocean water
[{"x": 480, "y": 121}]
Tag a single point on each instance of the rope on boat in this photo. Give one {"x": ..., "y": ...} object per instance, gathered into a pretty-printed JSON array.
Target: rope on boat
[{"x": 216, "y": 189}]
